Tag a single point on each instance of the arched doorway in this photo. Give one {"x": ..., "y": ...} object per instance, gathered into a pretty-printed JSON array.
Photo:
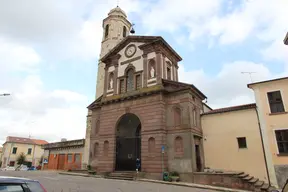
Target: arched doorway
[{"x": 128, "y": 142}]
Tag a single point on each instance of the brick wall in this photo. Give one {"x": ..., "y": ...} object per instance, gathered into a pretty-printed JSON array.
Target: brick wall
[{"x": 55, "y": 164}]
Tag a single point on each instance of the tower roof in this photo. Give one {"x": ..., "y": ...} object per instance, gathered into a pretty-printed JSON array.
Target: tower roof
[{"x": 117, "y": 11}]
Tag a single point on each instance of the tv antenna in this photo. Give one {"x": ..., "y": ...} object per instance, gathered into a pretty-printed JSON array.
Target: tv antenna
[{"x": 250, "y": 74}]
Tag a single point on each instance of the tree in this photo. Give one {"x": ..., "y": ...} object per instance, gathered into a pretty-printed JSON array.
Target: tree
[{"x": 21, "y": 159}]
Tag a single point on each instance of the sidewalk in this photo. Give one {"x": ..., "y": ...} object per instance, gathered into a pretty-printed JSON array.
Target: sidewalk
[{"x": 191, "y": 185}]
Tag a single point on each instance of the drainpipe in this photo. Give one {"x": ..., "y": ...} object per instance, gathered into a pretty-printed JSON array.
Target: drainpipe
[{"x": 264, "y": 152}]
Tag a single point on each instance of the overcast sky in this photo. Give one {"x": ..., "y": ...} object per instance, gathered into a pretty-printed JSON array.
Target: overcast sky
[{"x": 49, "y": 52}]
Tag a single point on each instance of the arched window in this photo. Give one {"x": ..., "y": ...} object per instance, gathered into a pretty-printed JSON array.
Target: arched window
[
  {"x": 97, "y": 126},
  {"x": 178, "y": 146},
  {"x": 177, "y": 116},
  {"x": 106, "y": 31},
  {"x": 96, "y": 149},
  {"x": 130, "y": 80},
  {"x": 106, "y": 148},
  {"x": 111, "y": 81},
  {"x": 151, "y": 145},
  {"x": 124, "y": 31},
  {"x": 152, "y": 69}
]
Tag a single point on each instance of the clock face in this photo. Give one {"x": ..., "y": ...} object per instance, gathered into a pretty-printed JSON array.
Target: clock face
[{"x": 130, "y": 51}]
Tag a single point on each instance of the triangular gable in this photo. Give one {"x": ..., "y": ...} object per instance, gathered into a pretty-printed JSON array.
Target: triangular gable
[{"x": 148, "y": 40}]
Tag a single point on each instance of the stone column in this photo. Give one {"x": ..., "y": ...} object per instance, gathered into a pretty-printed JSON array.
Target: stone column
[
  {"x": 164, "y": 67},
  {"x": 193, "y": 153},
  {"x": 145, "y": 69},
  {"x": 105, "y": 81},
  {"x": 176, "y": 68},
  {"x": 115, "y": 83},
  {"x": 173, "y": 73},
  {"x": 159, "y": 68}
]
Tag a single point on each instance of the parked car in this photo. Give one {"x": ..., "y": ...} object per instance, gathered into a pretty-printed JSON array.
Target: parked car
[
  {"x": 32, "y": 168},
  {"x": 8, "y": 168},
  {"x": 20, "y": 185},
  {"x": 285, "y": 188},
  {"x": 22, "y": 168}
]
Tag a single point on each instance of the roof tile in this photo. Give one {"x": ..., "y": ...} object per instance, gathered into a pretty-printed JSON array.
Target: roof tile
[{"x": 233, "y": 108}]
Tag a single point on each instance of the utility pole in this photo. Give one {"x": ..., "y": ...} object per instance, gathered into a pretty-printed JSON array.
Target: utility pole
[{"x": 250, "y": 74}]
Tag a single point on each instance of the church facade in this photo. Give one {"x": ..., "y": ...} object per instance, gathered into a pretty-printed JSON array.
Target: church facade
[{"x": 141, "y": 109}]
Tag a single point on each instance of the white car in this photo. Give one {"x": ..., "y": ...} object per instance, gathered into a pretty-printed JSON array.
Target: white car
[
  {"x": 22, "y": 168},
  {"x": 8, "y": 168}
]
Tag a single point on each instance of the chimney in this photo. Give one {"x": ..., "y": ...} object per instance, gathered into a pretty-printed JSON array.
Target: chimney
[{"x": 63, "y": 139}]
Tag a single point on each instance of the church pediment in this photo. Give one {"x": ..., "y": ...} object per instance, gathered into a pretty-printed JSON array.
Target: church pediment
[{"x": 126, "y": 48}]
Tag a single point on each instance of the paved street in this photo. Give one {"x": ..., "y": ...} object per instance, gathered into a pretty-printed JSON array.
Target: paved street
[{"x": 54, "y": 182}]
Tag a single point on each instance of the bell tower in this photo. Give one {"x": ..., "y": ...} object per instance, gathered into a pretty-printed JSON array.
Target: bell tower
[{"x": 115, "y": 28}]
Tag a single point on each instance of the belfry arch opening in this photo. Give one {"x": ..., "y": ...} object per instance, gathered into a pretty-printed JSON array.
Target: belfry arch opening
[{"x": 128, "y": 142}]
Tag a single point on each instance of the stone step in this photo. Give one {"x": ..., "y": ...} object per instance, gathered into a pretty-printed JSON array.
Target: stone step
[
  {"x": 254, "y": 180},
  {"x": 265, "y": 187},
  {"x": 120, "y": 178},
  {"x": 243, "y": 175},
  {"x": 248, "y": 178},
  {"x": 259, "y": 184}
]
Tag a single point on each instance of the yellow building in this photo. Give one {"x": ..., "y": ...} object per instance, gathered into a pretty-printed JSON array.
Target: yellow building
[
  {"x": 232, "y": 140},
  {"x": 1, "y": 150},
  {"x": 14, "y": 146},
  {"x": 271, "y": 99}
]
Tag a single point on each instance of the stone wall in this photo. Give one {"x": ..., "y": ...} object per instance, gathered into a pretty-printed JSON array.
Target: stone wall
[{"x": 281, "y": 174}]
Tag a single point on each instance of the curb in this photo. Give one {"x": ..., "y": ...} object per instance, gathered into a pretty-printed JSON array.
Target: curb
[
  {"x": 193, "y": 185},
  {"x": 80, "y": 174}
]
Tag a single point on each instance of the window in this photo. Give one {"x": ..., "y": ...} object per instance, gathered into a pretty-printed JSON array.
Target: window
[
  {"x": 35, "y": 187},
  {"x": 122, "y": 86},
  {"x": 282, "y": 140},
  {"x": 242, "y": 142},
  {"x": 168, "y": 73},
  {"x": 14, "y": 150},
  {"x": 77, "y": 158},
  {"x": 12, "y": 163},
  {"x": 29, "y": 151},
  {"x": 124, "y": 31},
  {"x": 275, "y": 102},
  {"x": 11, "y": 187},
  {"x": 70, "y": 158},
  {"x": 130, "y": 78},
  {"x": 138, "y": 81},
  {"x": 177, "y": 116},
  {"x": 106, "y": 31}
]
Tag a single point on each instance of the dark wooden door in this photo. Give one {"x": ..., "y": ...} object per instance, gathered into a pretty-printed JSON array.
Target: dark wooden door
[{"x": 61, "y": 162}]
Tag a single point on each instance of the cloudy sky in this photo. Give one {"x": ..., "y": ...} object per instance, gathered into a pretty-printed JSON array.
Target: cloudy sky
[{"x": 49, "y": 52}]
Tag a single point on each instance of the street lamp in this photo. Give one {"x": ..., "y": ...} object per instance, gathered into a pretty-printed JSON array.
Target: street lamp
[{"x": 5, "y": 94}]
